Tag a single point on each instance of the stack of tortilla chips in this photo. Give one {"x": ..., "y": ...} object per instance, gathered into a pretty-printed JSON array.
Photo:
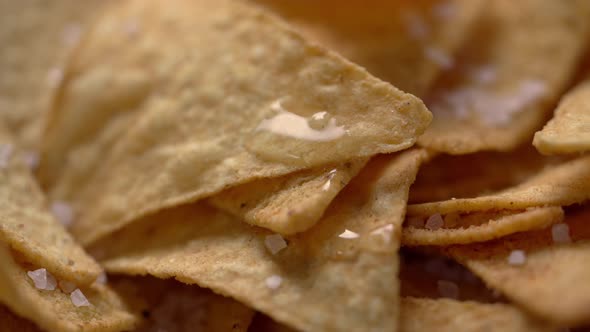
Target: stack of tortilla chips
[{"x": 273, "y": 165}]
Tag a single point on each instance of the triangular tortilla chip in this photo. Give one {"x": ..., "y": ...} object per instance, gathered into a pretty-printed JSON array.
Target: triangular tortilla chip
[
  {"x": 168, "y": 305},
  {"x": 295, "y": 202},
  {"x": 507, "y": 81},
  {"x": 54, "y": 310},
  {"x": 29, "y": 228},
  {"x": 349, "y": 258},
  {"x": 449, "y": 315},
  {"x": 553, "y": 280},
  {"x": 288, "y": 204},
  {"x": 36, "y": 38},
  {"x": 569, "y": 130},
  {"x": 560, "y": 185},
  {"x": 480, "y": 227},
  {"x": 471, "y": 175},
  {"x": 233, "y": 93}
]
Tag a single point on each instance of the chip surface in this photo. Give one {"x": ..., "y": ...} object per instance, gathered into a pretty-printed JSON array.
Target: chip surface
[
  {"x": 569, "y": 130},
  {"x": 201, "y": 132}
]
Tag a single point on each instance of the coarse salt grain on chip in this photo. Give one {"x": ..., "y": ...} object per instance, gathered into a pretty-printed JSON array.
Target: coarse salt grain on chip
[
  {"x": 78, "y": 298},
  {"x": 275, "y": 243},
  {"x": 561, "y": 233},
  {"x": 348, "y": 234},
  {"x": 273, "y": 282},
  {"x": 207, "y": 134},
  {"x": 516, "y": 257},
  {"x": 42, "y": 279}
]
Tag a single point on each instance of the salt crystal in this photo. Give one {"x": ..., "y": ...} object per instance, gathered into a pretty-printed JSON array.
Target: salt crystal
[
  {"x": 54, "y": 76},
  {"x": 483, "y": 75},
  {"x": 448, "y": 289},
  {"x": 42, "y": 279},
  {"x": 63, "y": 212},
  {"x": 328, "y": 183},
  {"x": 439, "y": 57},
  {"x": 67, "y": 286},
  {"x": 348, "y": 235},
  {"x": 131, "y": 28},
  {"x": 415, "y": 26},
  {"x": 561, "y": 233},
  {"x": 274, "y": 281},
  {"x": 384, "y": 232},
  {"x": 434, "y": 222},
  {"x": 275, "y": 243},
  {"x": 102, "y": 278},
  {"x": 71, "y": 34},
  {"x": 5, "y": 154},
  {"x": 31, "y": 158},
  {"x": 78, "y": 298},
  {"x": 517, "y": 257}
]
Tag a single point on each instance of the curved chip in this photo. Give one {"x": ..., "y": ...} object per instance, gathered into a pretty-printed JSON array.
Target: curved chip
[
  {"x": 28, "y": 227},
  {"x": 349, "y": 257},
  {"x": 551, "y": 279},
  {"x": 54, "y": 310},
  {"x": 569, "y": 130},
  {"x": 235, "y": 96},
  {"x": 560, "y": 185},
  {"x": 450, "y": 315},
  {"x": 36, "y": 37},
  {"x": 507, "y": 81},
  {"x": 487, "y": 228}
]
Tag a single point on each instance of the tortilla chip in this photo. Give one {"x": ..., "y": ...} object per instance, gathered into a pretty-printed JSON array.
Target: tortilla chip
[
  {"x": 422, "y": 35},
  {"x": 507, "y": 81},
  {"x": 486, "y": 227},
  {"x": 450, "y": 315},
  {"x": 36, "y": 37},
  {"x": 569, "y": 130},
  {"x": 553, "y": 281},
  {"x": 395, "y": 54},
  {"x": 54, "y": 310},
  {"x": 319, "y": 268},
  {"x": 447, "y": 176},
  {"x": 560, "y": 185},
  {"x": 29, "y": 228},
  {"x": 167, "y": 305},
  {"x": 258, "y": 71},
  {"x": 288, "y": 204},
  {"x": 12, "y": 322}
]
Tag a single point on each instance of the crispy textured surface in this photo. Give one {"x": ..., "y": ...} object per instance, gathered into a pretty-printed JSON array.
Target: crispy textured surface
[
  {"x": 199, "y": 130},
  {"x": 508, "y": 79},
  {"x": 172, "y": 306},
  {"x": 380, "y": 37},
  {"x": 553, "y": 281},
  {"x": 476, "y": 174},
  {"x": 487, "y": 228},
  {"x": 569, "y": 130},
  {"x": 54, "y": 310},
  {"x": 559, "y": 185},
  {"x": 288, "y": 204},
  {"x": 29, "y": 228},
  {"x": 36, "y": 37},
  {"x": 318, "y": 269},
  {"x": 449, "y": 315},
  {"x": 383, "y": 35}
]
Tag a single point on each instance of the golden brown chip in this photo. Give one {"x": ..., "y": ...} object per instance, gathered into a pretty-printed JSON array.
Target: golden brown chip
[
  {"x": 349, "y": 258},
  {"x": 564, "y": 184},
  {"x": 236, "y": 96},
  {"x": 406, "y": 43},
  {"x": 549, "y": 277},
  {"x": 36, "y": 37},
  {"x": 169, "y": 305},
  {"x": 28, "y": 227},
  {"x": 54, "y": 310},
  {"x": 450, "y": 315},
  {"x": 476, "y": 174},
  {"x": 485, "y": 227},
  {"x": 507, "y": 81},
  {"x": 288, "y": 204},
  {"x": 569, "y": 130}
]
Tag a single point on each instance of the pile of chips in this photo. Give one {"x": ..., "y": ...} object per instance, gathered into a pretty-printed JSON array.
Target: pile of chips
[{"x": 271, "y": 165}]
